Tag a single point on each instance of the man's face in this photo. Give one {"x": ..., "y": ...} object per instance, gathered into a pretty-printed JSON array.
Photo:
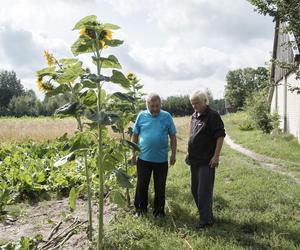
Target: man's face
[
  {"x": 198, "y": 105},
  {"x": 154, "y": 107}
]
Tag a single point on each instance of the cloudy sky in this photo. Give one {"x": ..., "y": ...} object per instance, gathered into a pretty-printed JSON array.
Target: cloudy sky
[{"x": 174, "y": 46}]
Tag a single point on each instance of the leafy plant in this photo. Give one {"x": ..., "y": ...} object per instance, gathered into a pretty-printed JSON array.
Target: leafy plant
[{"x": 89, "y": 99}]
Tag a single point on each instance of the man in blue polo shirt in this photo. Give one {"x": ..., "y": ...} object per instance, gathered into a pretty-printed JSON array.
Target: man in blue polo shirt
[{"x": 151, "y": 131}]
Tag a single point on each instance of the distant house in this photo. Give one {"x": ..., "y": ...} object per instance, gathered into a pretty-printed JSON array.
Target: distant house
[{"x": 283, "y": 101}]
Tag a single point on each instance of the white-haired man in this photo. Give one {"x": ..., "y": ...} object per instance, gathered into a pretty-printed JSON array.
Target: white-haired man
[
  {"x": 151, "y": 131},
  {"x": 205, "y": 143}
]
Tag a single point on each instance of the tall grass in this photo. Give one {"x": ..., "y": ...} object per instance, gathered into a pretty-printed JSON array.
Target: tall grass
[{"x": 38, "y": 129}]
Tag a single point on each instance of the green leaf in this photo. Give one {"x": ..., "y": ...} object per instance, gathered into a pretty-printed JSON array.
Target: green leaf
[
  {"x": 50, "y": 71},
  {"x": 72, "y": 199},
  {"x": 113, "y": 42},
  {"x": 108, "y": 162},
  {"x": 123, "y": 179},
  {"x": 85, "y": 21},
  {"x": 66, "y": 61},
  {"x": 81, "y": 140},
  {"x": 4, "y": 197},
  {"x": 97, "y": 79},
  {"x": 110, "y": 26},
  {"x": 25, "y": 243},
  {"x": 62, "y": 88},
  {"x": 131, "y": 145},
  {"x": 65, "y": 159},
  {"x": 89, "y": 98},
  {"x": 71, "y": 72},
  {"x": 124, "y": 96},
  {"x": 89, "y": 84},
  {"x": 119, "y": 78},
  {"x": 82, "y": 45},
  {"x": 68, "y": 109},
  {"x": 110, "y": 62},
  {"x": 103, "y": 118},
  {"x": 117, "y": 198}
]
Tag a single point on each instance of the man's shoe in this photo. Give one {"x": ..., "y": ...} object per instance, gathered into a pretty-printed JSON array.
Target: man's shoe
[
  {"x": 204, "y": 225},
  {"x": 140, "y": 213},
  {"x": 160, "y": 215}
]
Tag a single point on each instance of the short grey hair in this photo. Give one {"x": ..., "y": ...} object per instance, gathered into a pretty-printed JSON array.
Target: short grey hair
[
  {"x": 201, "y": 96},
  {"x": 153, "y": 97}
]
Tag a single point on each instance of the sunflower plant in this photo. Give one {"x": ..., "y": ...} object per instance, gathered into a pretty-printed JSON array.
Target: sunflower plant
[{"x": 90, "y": 103}]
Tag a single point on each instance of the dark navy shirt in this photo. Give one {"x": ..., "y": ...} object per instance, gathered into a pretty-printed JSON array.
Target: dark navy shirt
[{"x": 205, "y": 129}]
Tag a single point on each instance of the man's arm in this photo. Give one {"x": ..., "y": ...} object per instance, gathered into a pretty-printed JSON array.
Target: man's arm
[
  {"x": 173, "y": 143},
  {"x": 214, "y": 162},
  {"x": 135, "y": 139}
]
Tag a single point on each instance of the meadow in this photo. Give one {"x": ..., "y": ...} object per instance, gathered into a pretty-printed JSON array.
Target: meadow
[{"x": 254, "y": 208}]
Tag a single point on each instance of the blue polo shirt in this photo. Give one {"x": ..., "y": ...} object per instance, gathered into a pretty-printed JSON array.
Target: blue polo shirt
[{"x": 153, "y": 132}]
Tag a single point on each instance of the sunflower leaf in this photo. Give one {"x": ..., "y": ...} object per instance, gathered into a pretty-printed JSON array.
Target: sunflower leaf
[{"x": 85, "y": 21}]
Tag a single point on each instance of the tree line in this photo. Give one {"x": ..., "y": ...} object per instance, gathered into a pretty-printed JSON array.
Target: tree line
[{"x": 16, "y": 101}]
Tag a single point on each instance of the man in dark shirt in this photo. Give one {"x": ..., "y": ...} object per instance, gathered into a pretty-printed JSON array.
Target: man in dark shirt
[{"x": 205, "y": 143}]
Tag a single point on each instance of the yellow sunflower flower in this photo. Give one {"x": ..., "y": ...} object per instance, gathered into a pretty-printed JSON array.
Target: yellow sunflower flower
[
  {"x": 44, "y": 87},
  {"x": 49, "y": 57},
  {"x": 40, "y": 83},
  {"x": 83, "y": 32},
  {"x": 102, "y": 43},
  {"x": 107, "y": 34},
  {"x": 131, "y": 76}
]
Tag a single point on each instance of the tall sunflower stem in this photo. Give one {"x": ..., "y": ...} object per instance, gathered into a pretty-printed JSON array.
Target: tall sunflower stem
[
  {"x": 100, "y": 156},
  {"x": 87, "y": 174},
  {"x": 126, "y": 169}
]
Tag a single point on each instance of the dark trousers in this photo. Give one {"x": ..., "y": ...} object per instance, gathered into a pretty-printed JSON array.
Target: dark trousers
[
  {"x": 202, "y": 184},
  {"x": 144, "y": 171}
]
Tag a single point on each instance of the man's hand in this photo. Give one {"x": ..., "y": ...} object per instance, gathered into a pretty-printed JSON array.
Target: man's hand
[
  {"x": 133, "y": 159},
  {"x": 214, "y": 162},
  {"x": 187, "y": 159},
  {"x": 172, "y": 159}
]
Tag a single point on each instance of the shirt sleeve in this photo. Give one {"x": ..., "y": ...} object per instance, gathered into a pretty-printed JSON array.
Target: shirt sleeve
[
  {"x": 136, "y": 126},
  {"x": 172, "y": 128},
  {"x": 217, "y": 126}
]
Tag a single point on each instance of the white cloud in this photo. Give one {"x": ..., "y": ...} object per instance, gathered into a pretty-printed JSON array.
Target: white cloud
[
  {"x": 174, "y": 46},
  {"x": 175, "y": 61}
]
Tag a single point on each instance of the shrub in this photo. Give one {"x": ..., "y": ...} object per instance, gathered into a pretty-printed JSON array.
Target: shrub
[
  {"x": 247, "y": 125},
  {"x": 258, "y": 108}
]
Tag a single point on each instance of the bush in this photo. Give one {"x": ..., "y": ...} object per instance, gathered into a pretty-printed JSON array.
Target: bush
[
  {"x": 247, "y": 125},
  {"x": 258, "y": 108}
]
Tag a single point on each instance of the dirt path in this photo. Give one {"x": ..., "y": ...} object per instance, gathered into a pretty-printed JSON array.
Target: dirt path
[
  {"x": 266, "y": 162},
  {"x": 41, "y": 218}
]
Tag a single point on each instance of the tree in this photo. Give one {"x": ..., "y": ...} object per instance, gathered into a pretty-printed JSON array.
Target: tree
[
  {"x": 9, "y": 86},
  {"x": 242, "y": 83},
  {"x": 50, "y": 104},
  {"x": 283, "y": 11},
  {"x": 26, "y": 104},
  {"x": 177, "y": 105}
]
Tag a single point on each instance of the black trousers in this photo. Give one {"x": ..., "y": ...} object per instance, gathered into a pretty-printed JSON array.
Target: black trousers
[
  {"x": 144, "y": 171},
  {"x": 202, "y": 185}
]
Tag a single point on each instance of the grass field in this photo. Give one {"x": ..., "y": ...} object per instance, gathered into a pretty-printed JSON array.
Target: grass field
[
  {"x": 38, "y": 129},
  {"x": 254, "y": 208}
]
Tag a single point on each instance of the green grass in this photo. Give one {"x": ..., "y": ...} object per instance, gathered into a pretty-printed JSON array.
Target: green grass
[
  {"x": 283, "y": 146},
  {"x": 254, "y": 209}
]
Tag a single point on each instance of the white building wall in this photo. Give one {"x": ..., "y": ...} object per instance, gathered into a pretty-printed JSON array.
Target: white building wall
[
  {"x": 279, "y": 94},
  {"x": 292, "y": 106}
]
